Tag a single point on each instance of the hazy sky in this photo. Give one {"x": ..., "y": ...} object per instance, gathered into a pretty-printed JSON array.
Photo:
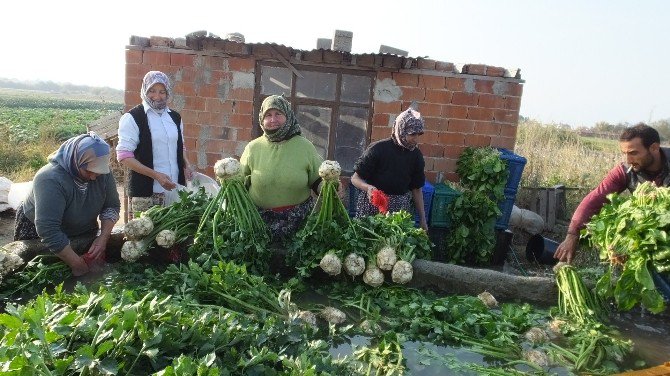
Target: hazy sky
[{"x": 582, "y": 61}]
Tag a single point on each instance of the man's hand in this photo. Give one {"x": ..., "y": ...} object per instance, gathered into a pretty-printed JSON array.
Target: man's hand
[{"x": 566, "y": 250}]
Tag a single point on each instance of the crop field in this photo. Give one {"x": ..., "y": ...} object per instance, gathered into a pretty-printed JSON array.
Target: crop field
[{"x": 33, "y": 125}]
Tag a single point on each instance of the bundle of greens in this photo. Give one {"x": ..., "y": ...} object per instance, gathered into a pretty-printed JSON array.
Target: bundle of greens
[
  {"x": 164, "y": 226},
  {"x": 631, "y": 233},
  {"x": 575, "y": 300},
  {"x": 323, "y": 239},
  {"x": 231, "y": 225},
  {"x": 390, "y": 243}
]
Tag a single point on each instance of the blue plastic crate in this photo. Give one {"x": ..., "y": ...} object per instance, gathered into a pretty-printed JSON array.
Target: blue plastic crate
[
  {"x": 515, "y": 165},
  {"x": 442, "y": 197},
  {"x": 428, "y": 190},
  {"x": 505, "y": 207}
]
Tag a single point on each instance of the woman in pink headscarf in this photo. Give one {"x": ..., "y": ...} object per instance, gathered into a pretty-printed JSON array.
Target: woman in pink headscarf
[
  {"x": 151, "y": 144},
  {"x": 395, "y": 167}
]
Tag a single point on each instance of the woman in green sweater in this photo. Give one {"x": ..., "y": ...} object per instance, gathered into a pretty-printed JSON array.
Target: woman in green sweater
[{"x": 281, "y": 169}]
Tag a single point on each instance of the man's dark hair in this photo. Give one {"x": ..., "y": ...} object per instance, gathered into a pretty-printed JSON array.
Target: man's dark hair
[{"x": 647, "y": 134}]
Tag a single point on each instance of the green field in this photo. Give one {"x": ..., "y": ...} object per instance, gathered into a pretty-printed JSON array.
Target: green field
[{"x": 33, "y": 124}]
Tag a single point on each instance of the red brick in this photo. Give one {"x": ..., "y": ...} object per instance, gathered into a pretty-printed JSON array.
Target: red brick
[
  {"x": 451, "y": 138},
  {"x": 477, "y": 140},
  {"x": 432, "y": 150},
  {"x": 515, "y": 89},
  {"x": 431, "y": 175},
  {"x": 422, "y": 63},
  {"x": 484, "y": 86},
  {"x": 495, "y": 71},
  {"x": 455, "y": 83},
  {"x": 240, "y": 120},
  {"x": 453, "y": 152},
  {"x": 406, "y": 79},
  {"x": 476, "y": 113},
  {"x": 135, "y": 73},
  {"x": 188, "y": 116},
  {"x": 430, "y": 137},
  {"x": 191, "y": 129},
  {"x": 262, "y": 51},
  {"x": 235, "y": 48},
  {"x": 134, "y": 56},
  {"x": 466, "y": 99},
  {"x": 476, "y": 69},
  {"x": 208, "y": 91},
  {"x": 181, "y": 60},
  {"x": 366, "y": 60},
  {"x": 506, "y": 116},
  {"x": 433, "y": 82},
  {"x": 188, "y": 74},
  {"x": 195, "y": 103},
  {"x": 491, "y": 101},
  {"x": 381, "y": 120},
  {"x": 503, "y": 142},
  {"x": 332, "y": 57},
  {"x": 413, "y": 94},
  {"x": 512, "y": 103},
  {"x": 435, "y": 123},
  {"x": 441, "y": 165},
  {"x": 241, "y": 94},
  {"x": 429, "y": 161},
  {"x": 430, "y": 109},
  {"x": 237, "y": 64},
  {"x": 382, "y": 75},
  {"x": 393, "y": 62},
  {"x": 387, "y": 107},
  {"x": 451, "y": 111},
  {"x": 438, "y": 96},
  {"x": 451, "y": 176},
  {"x": 243, "y": 107},
  {"x": 204, "y": 118},
  {"x": 156, "y": 58},
  {"x": 379, "y": 133},
  {"x": 186, "y": 89},
  {"x": 244, "y": 134},
  {"x": 487, "y": 128},
  {"x": 461, "y": 126},
  {"x": 444, "y": 66},
  {"x": 507, "y": 130}
]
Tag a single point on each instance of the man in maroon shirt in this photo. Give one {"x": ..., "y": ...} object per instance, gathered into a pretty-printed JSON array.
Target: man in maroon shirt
[{"x": 646, "y": 160}]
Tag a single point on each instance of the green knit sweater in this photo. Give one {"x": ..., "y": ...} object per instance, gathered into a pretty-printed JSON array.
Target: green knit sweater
[{"x": 280, "y": 173}]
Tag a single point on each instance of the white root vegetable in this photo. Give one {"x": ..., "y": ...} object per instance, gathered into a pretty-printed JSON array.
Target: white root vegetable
[
  {"x": 488, "y": 299},
  {"x": 402, "y": 272},
  {"x": 138, "y": 228},
  {"x": 354, "y": 265},
  {"x": 536, "y": 336},
  {"x": 536, "y": 357},
  {"x": 166, "y": 238},
  {"x": 333, "y": 315},
  {"x": 386, "y": 258},
  {"x": 308, "y": 318},
  {"x": 331, "y": 264},
  {"x": 9, "y": 261},
  {"x": 141, "y": 204},
  {"x": 370, "y": 327},
  {"x": 132, "y": 250},
  {"x": 226, "y": 167},
  {"x": 556, "y": 326},
  {"x": 373, "y": 276},
  {"x": 330, "y": 170}
]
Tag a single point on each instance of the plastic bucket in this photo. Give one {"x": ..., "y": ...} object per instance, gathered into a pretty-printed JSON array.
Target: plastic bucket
[{"x": 541, "y": 249}]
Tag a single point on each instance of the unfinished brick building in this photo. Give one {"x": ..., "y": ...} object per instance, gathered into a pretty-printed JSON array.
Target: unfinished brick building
[{"x": 344, "y": 101}]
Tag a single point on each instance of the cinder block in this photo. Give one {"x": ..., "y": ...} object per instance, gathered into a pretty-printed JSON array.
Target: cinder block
[
  {"x": 324, "y": 43},
  {"x": 342, "y": 40},
  {"x": 392, "y": 50},
  {"x": 139, "y": 41}
]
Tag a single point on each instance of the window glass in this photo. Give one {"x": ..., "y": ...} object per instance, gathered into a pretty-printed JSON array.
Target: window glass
[
  {"x": 317, "y": 85},
  {"x": 356, "y": 89},
  {"x": 315, "y": 124},
  {"x": 276, "y": 80},
  {"x": 350, "y": 136}
]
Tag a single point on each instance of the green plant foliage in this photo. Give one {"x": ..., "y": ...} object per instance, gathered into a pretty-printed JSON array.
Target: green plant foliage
[{"x": 482, "y": 170}]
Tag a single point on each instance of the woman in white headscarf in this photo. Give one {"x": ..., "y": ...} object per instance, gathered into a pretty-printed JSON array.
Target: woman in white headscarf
[
  {"x": 151, "y": 145},
  {"x": 394, "y": 166}
]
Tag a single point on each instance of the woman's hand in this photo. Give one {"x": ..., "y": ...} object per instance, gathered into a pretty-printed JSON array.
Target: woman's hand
[
  {"x": 76, "y": 263},
  {"x": 188, "y": 172},
  {"x": 165, "y": 181},
  {"x": 371, "y": 188}
]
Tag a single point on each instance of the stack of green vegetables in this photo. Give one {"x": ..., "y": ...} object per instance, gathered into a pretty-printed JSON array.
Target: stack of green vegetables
[
  {"x": 231, "y": 227},
  {"x": 632, "y": 234},
  {"x": 324, "y": 239}
]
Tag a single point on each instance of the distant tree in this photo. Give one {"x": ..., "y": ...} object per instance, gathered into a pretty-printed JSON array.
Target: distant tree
[{"x": 663, "y": 128}]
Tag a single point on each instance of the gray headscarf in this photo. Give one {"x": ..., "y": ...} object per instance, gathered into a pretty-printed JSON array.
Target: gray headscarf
[
  {"x": 150, "y": 79},
  {"x": 408, "y": 122},
  {"x": 286, "y": 131}
]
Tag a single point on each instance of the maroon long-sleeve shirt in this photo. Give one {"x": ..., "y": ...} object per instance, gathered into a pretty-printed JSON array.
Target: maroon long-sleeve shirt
[{"x": 615, "y": 181}]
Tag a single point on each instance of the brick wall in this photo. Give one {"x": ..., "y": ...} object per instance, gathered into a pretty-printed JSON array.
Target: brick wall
[{"x": 213, "y": 81}]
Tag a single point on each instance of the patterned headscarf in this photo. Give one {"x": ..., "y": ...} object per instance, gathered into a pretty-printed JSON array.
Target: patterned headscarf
[
  {"x": 150, "y": 79},
  {"x": 408, "y": 122},
  {"x": 87, "y": 151},
  {"x": 286, "y": 131}
]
